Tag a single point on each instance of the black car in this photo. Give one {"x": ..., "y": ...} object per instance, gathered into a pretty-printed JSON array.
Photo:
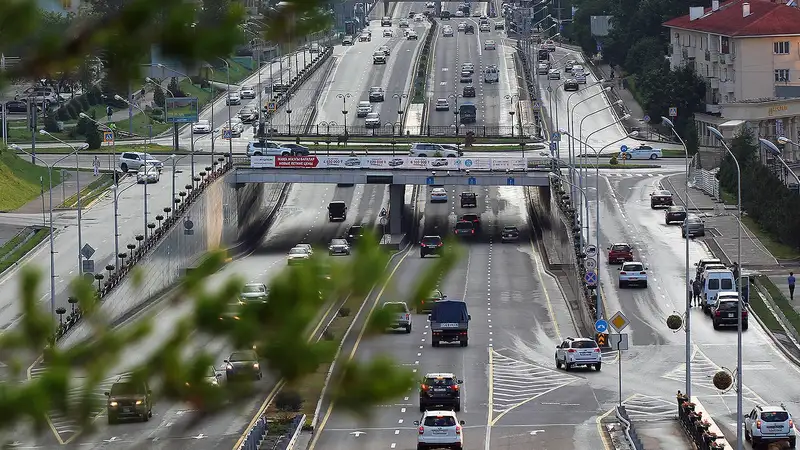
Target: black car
[
  {"x": 469, "y": 91},
  {"x": 440, "y": 390},
  {"x": 430, "y": 245},
  {"x": 411, "y": 14},
  {"x": 355, "y": 233},
  {"x": 724, "y": 314},
  {"x": 449, "y": 322},
  {"x": 474, "y": 218},
  {"x": 571, "y": 85},
  {"x": 510, "y": 233},
  {"x": 660, "y": 198},
  {"x": 469, "y": 29},
  {"x": 339, "y": 247},
  {"x": 445, "y": 15},
  {"x": 243, "y": 364},
  {"x": 297, "y": 149},
  {"x": 129, "y": 399},
  {"x": 426, "y": 305},
  {"x": 464, "y": 228},
  {"x": 469, "y": 200},
  {"x": 675, "y": 214},
  {"x": 16, "y": 106}
]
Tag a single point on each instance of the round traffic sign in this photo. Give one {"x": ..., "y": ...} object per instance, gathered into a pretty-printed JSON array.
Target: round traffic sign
[
  {"x": 646, "y": 118},
  {"x": 591, "y": 251},
  {"x": 590, "y": 263},
  {"x": 601, "y": 326},
  {"x": 383, "y": 221},
  {"x": 188, "y": 224},
  {"x": 623, "y": 148}
]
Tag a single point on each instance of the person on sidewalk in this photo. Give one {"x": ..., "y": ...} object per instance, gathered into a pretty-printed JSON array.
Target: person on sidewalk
[
  {"x": 96, "y": 165},
  {"x": 696, "y": 291},
  {"x": 791, "y": 282},
  {"x": 735, "y": 270}
]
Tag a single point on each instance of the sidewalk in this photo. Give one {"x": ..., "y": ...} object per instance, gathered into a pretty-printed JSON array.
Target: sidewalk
[{"x": 67, "y": 188}]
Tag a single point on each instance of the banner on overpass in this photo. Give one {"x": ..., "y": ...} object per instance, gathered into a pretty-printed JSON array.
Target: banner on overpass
[{"x": 397, "y": 163}]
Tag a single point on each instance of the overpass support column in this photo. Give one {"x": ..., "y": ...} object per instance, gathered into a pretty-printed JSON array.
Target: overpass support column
[{"x": 397, "y": 194}]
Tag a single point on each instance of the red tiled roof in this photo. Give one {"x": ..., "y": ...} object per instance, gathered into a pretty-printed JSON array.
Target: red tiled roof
[{"x": 766, "y": 19}]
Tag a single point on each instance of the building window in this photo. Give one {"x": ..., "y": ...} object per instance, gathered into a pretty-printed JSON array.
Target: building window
[
  {"x": 781, "y": 48},
  {"x": 782, "y": 75},
  {"x": 725, "y": 45}
]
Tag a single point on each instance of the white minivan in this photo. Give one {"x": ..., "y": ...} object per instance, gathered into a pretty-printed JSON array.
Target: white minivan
[{"x": 716, "y": 281}]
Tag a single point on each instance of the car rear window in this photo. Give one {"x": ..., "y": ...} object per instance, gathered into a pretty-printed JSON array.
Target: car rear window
[
  {"x": 775, "y": 416},
  {"x": 432, "y": 240},
  {"x": 676, "y": 209},
  {"x": 713, "y": 284},
  {"x": 727, "y": 305},
  {"x": 443, "y": 421},
  {"x": 464, "y": 225},
  {"x": 620, "y": 248},
  {"x": 633, "y": 267},
  {"x": 394, "y": 307},
  {"x": 448, "y": 312},
  {"x": 584, "y": 344},
  {"x": 439, "y": 381},
  {"x": 727, "y": 284}
]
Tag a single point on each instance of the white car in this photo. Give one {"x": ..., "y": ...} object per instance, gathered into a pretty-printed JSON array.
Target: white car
[
  {"x": 489, "y": 45},
  {"x": 147, "y": 174},
  {"x": 554, "y": 74},
  {"x": 485, "y": 27},
  {"x": 412, "y": 35},
  {"x": 387, "y": 32},
  {"x": 633, "y": 272},
  {"x": 236, "y": 126},
  {"x": 442, "y": 104},
  {"x": 135, "y": 160},
  {"x": 447, "y": 31},
  {"x": 201, "y": 127},
  {"x": 462, "y": 26},
  {"x": 373, "y": 120},
  {"x": 308, "y": 248},
  {"x": 297, "y": 255},
  {"x": 468, "y": 66},
  {"x": 403, "y": 23},
  {"x": 233, "y": 99},
  {"x": 578, "y": 352},
  {"x": 252, "y": 292},
  {"x": 440, "y": 429},
  {"x": 580, "y": 78},
  {"x": 247, "y": 92},
  {"x": 419, "y": 18},
  {"x": 438, "y": 195},
  {"x": 542, "y": 68},
  {"x": 550, "y": 45},
  {"x": 364, "y": 108},
  {"x": 459, "y": 14},
  {"x": 766, "y": 424},
  {"x": 642, "y": 152}
]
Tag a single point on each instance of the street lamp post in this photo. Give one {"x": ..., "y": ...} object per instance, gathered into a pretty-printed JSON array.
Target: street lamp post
[
  {"x": 400, "y": 111},
  {"x": 456, "y": 111},
  {"x": 230, "y": 125},
  {"x": 344, "y": 98},
  {"x": 78, "y": 187},
  {"x": 52, "y": 231},
  {"x": 784, "y": 140},
  {"x": 514, "y": 107},
  {"x": 113, "y": 143},
  {"x": 116, "y": 192},
  {"x": 739, "y": 420},
  {"x": 175, "y": 172},
  {"x": 571, "y": 153},
  {"x": 777, "y": 153},
  {"x": 688, "y": 326}
]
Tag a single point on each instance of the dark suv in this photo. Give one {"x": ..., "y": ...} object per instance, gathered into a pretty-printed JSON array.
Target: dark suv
[
  {"x": 426, "y": 305},
  {"x": 469, "y": 200},
  {"x": 355, "y": 233},
  {"x": 440, "y": 390},
  {"x": 724, "y": 313},
  {"x": 675, "y": 214},
  {"x": 660, "y": 198},
  {"x": 469, "y": 91},
  {"x": 129, "y": 399},
  {"x": 430, "y": 245}
]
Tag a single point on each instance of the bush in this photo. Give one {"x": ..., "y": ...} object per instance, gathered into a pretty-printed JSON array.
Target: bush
[
  {"x": 62, "y": 114},
  {"x": 93, "y": 137},
  {"x": 288, "y": 401},
  {"x": 158, "y": 96},
  {"x": 84, "y": 102},
  {"x": 82, "y": 126},
  {"x": 50, "y": 123},
  {"x": 613, "y": 161},
  {"x": 97, "y": 93},
  {"x": 76, "y": 105},
  {"x": 73, "y": 113},
  {"x": 91, "y": 98}
]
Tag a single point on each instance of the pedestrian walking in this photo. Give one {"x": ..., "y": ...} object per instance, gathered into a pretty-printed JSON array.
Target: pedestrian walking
[
  {"x": 696, "y": 291},
  {"x": 791, "y": 282},
  {"x": 735, "y": 270},
  {"x": 96, "y": 165}
]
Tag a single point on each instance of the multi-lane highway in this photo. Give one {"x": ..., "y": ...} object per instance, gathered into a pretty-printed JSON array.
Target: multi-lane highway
[{"x": 445, "y": 81}]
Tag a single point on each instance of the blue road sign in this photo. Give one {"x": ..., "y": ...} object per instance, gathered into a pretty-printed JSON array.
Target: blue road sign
[
  {"x": 553, "y": 147},
  {"x": 601, "y": 326},
  {"x": 591, "y": 278},
  {"x": 623, "y": 148},
  {"x": 227, "y": 134},
  {"x": 555, "y": 137},
  {"x": 472, "y": 181},
  {"x": 429, "y": 180},
  {"x": 510, "y": 181},
  {"x": 646, "y": 118}
]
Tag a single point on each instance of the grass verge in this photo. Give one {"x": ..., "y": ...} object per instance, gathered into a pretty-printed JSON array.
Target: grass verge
[
  {"x": 21, "y": 181},
  {"x": 88, "y": 194},
  {"x": 23, "y": 250},
  {"x": 12, "y": 243},
  {"x": 140, "y": 125},
  {"x": 764, "y": 313},
  {"x": 238, "y": 73},
  {"x": 22, "y": 135},
  {"x": 780, "y": 300},
  {"x": 310, "y": 388}
]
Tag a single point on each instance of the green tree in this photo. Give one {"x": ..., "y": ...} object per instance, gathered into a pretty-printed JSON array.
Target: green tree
[
  {"x": 93, "y": 137},
  {"x": 50, "y": 123},
  {"x": 158, "y": 96}
]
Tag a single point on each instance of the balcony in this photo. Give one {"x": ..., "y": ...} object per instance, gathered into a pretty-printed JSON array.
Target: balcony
[{"x": 708, "y": 55}]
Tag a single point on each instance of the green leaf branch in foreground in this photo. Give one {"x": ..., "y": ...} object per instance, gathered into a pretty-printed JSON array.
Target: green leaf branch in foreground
[{"x": 176, "y": 368}]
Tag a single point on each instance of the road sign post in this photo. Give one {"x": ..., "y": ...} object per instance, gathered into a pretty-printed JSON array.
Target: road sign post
[
  {"x": 108, "y": 137},
  {"x": 673, "y": 111},
  {"x": 590, "y": 278},
  {"x": 591, "y": 251},
  {"x": 619, "y": 321},
  {"x": 619, "y": 342},
  {"x": 601, "y": 326}
]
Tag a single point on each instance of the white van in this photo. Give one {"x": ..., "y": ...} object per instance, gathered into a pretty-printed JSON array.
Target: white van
[{"x": 716, "y": 281}]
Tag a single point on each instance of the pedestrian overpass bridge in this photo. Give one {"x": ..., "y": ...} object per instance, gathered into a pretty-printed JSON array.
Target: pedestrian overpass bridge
[{"x": 396, "y": 171}]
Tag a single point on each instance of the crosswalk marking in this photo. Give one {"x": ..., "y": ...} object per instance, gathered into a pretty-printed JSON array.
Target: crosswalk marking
[
  {"x": 703, "y": 370},
  {"x": 516, "y": 382},
  {"x": 646, "y": 408},
  {"x": 64, "y": 427}
]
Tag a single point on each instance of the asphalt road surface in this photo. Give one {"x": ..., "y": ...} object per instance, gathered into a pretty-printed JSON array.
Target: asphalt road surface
[
  {"x": 354, "y": 74},
  {"x": 302, "y": 219},
  {"x": 450, "y": 53}
]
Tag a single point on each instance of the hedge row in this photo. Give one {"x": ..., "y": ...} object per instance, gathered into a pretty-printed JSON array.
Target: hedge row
[{"x": 421, "y": 75}]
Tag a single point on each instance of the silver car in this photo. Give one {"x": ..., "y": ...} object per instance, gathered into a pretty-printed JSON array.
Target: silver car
[
  {"x": 400, "y": 315},
  {"x": 693, "y": 225},
  {"x": 252, "y": 292}
]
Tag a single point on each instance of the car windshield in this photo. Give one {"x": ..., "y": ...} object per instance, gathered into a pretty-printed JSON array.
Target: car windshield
[
  {"x": 677, "y": 209},
  {"x": 464, "y": 225},
  {"x": 354, "y": 230},
  {"x": 435, "y": 294},
  {"x": 298, "y": 251},
  {"x": 440, "y": 421},
  {"x": 729, "y": 305},
  {"x": 584, "y": 344},
  {"x": 632, "y": 267},
  {"x": 212, "y": 373},
  {"x": 439, "y": 381},
  {"x": 202, "y": 122},
  {"x": 620, "y": 248},
  {"x": 125, "y": 389},
  {"x": 395, "y": 307},
  {"x": 254, "y": 289},
  {"x": 338, "y": 242},
  {"x": 509, "y": 228},
  {"x": 242, "y": 356},
  {"x": 775, "y": 416},
  {"x": 438, "y": 191}
]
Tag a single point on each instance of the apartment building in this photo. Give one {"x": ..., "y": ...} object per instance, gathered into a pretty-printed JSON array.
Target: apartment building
[{"x": 748, "y": 51}]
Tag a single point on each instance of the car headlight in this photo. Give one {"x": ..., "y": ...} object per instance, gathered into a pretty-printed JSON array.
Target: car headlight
[
  {"x": 112, "y": 404},
  {"x": 256, "y": 366},
  {"x": 228, "y": 367},
  {"x": 138, "y": 402}
]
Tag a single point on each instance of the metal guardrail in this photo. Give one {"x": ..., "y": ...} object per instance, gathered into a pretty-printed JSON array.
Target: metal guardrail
[
  {"x": 630, "y": 431},
  {"x": 337, "y": 132}
]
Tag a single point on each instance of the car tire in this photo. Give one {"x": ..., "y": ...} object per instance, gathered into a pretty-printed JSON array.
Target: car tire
[
  {"x": 124, "y": 167},
  {"x": 567, "y": 366},
  {"x": 644, "y": 285},
  {"x": 435, "y": 343},
  {"x": 598, "y": 366},
  {"x": 747, "y": 436},
  {"x": 457, "y": 407},
  {"x": 622, "y": 285},
  {"x": 744, "y": 326},
  {"x": 408, "y": 329},
  {"x": 420, "y": 446},
  {"x": 558, "y": 364},
  {"x": 465, "y": 343},
  {"x": 666, "y": 222},
  {"x": 422, "y": 255},
  {"x": 716, "y": 325},
  {"x": 422, "y": 410},
  {"x": 653, "y": 157},
  {"x": 145, "y": 417},
  {"x": 112, "y": 420}
]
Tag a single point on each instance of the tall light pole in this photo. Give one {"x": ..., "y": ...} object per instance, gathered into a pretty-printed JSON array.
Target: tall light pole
[
  {"x": 116, "y": 192},
  {"x": 52, "y": 231},
  {"x": 149, "y": 119},
  {"x": 571, "y": 129},
  {"x": 688, "y": 306},
  {"x": 228, "y": 88},
  {"x": 175, "y": 172},
  {"x": 78, "y": 186},
  {"x": 344, "y": 98},
  {"x": 598, "y": 292},
  {"x": 777, "y": 153},
  {"x": 514, "y": 107},
  {"x": 739, "y": 421},
  {"x": 456, "y": 111}
]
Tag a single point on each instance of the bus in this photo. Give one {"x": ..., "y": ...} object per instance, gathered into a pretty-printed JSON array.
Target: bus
[{"x": 468, "y": 113}]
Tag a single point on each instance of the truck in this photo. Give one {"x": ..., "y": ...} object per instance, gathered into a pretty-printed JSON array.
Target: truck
[
  {"x": 468, "y": 113},
  {"x": 449, "y": 322}
]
